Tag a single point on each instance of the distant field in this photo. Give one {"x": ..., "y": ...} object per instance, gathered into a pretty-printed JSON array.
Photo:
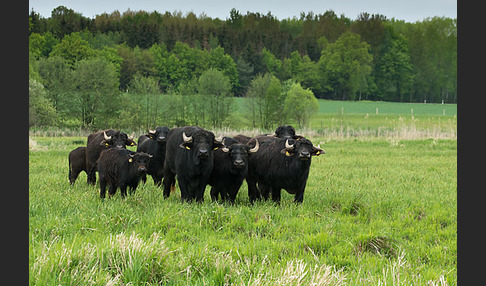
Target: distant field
[
  {"x": 346, "y": 119},
  {"x": 334, "y": 106},
  {"x": 330, "y": 106}
]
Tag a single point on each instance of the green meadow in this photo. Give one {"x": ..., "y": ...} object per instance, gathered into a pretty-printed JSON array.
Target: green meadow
[{"x": 380, "y": 208}]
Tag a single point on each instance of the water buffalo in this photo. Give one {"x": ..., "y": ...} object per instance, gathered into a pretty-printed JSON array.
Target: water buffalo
[
  {"x": 154, "y": 144},
  {"x": 230, "y": 169},
  {"x": 285, "y": 131},
  {"x": 189, "y": 156},
  {"x": 100, "y": 141},
  {"x": 77, "y": 163},
  {"x": 280, "y": 164},
  {"x": 121, "y": 168}
]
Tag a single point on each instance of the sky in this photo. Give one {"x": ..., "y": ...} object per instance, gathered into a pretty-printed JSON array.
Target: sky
[{"x": 407, "y": 10}]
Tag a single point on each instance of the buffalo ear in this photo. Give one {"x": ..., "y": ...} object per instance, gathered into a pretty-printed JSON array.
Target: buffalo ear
[
  {"x": 317, "y": 150},
  {"x": 286, "y": 152},
  {"x": 217, "y": 145},
  {"x": 130, "y": 142},
  {"x": 185, "y": 145},
  {"x": 150, "y": 135}
]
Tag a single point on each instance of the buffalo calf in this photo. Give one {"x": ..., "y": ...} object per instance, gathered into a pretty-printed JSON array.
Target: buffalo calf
[
  {"x": 121, "y": 168},
  {"x": 100, "y": 141},
  {"x": 77, "y": 163}
]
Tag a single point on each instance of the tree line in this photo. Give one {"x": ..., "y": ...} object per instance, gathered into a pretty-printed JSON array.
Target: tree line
[{"x": 81, "y": 62}]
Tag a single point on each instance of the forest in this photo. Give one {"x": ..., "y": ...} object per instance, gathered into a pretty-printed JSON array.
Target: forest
[{"x": 119, "y": 68}]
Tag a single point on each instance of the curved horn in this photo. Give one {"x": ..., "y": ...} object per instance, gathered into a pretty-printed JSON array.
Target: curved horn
[
  {"x": 152, "y": 131},
  {"x": 106, "y": 136},
  {"x": 257, "y": 146},
  {"x": 219, "y": 139},
  {"x": 186, "y": 139},
  {"x": 287, "y": 145},
  {"x": 224, "y": 149}
]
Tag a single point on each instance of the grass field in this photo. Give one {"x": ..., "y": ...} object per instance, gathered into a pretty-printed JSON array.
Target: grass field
[{"x": 380, "y": 208}]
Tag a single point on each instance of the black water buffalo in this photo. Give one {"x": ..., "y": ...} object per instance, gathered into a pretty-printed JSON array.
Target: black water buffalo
[
  {"x": 77, "y": 163},
  {"x": 230, "y": 169},
  {"x": 280, "y": 164},
  {"x": 154, "y": 144},
  {"x": 285, "y": 131},
  {"x": 189, "y": 156},
  {"x": 121, "y": 168},
  {"x": 100, "y": 141}
]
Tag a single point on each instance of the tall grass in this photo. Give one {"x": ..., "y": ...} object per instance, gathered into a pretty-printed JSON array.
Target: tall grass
[{"x": 378, "y": 210}]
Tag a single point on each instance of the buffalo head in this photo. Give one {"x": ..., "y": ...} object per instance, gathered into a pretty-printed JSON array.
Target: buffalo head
[
  {"x": 118, "y": 140},
  {"x": 239, "y": 153},
  {"x": 302, "y": 147},
  {"x": 202, "y": 142},
  {"x": 139, "y": 161},
  {"x": 159, "y": 134}
]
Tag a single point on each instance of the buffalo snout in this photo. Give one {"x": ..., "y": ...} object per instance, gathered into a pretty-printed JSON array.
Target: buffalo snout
[
  {"x": 239, "y": 163},
  {"x": 203, "y": 153},
  {"x": 305, "y": 155},
  {"x": 161, "y": 139}
]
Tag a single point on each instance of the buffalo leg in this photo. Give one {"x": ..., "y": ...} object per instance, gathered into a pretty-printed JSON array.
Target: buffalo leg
[
  {"x": 185, "y": 196},
  {"x": 231, "y": 195},
  {"x": 91, "y": 176},
  {"x": 73, "y": 175},
  {"x": 253, "y": 193},
  {"x": 157, "y": 180},
  {"x": 264, "y": 191},
  {"x": 199, "y": 193},
  {"x": 299, "y": 197},
  {"x": 158, "y": 176},
  {"x": 102, "y": 187},
  {"x": 276, "y": 194},
  {"x": 112, "y": 190},
  {"x": 123, "y": 190},
  {"x": 214, "y": 193},
  {"x": 169, "y": 181}
]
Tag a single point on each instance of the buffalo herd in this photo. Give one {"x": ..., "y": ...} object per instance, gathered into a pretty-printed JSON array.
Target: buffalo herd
[{"x": 197, "y": 158}]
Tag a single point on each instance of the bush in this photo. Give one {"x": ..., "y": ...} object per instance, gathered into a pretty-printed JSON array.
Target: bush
[
  {"x": 41, "y": 109},
  {"x": 300, "y": 104}
]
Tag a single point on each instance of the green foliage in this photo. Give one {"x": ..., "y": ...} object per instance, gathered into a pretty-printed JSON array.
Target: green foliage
[
  {"x": 146, "y": 91},
  {"x": 41, "y": 109},
  {"x": 345, "y": 63},
  {"x": 300, "y": 105},
  {"x": 57, "y": 78},
  {"x": 264, "y": 101},
  {"x": 369, "y": 58},
  {"x": 215, "y": 89},
  {"x": 394, "y": 69},
  {"x": 95, "y": 91},
  {"x": 73, "y": 48},
  {"x": 218, "y": 59}
]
